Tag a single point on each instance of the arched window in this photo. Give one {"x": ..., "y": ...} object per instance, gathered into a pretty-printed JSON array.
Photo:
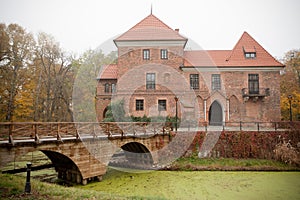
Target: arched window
[
  {"x": 106, "y": 88},
  {"x": 113, "y": 87}
]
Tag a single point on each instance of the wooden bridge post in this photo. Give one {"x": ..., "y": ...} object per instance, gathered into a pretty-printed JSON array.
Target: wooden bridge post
[
  {"x": 94, "y": 131},
  {"x": 36, "y": 136},
  {"x": 240, "y": 125},
  {"x": 108, "y": 130},
  {"x": 76, "y": 127},
  {"x": 58, "y": 137},
  {"x": 10, "y": 130}
]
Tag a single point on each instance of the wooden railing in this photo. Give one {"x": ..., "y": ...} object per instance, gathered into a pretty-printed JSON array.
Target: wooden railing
[
  {"x": 11, "y": 132},
  {"x": 244, "y": 126}
]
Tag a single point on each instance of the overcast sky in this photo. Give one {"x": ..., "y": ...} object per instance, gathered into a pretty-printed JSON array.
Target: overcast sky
[{"x": 79, "y": 25}]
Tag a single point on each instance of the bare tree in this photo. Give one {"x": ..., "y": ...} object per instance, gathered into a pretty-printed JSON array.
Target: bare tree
[{"x": 54, "y": 88}]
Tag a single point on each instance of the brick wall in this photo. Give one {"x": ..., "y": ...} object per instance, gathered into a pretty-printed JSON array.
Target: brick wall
[
  {"x": 103, "y": 99},
  {"x": 245, "y": 144},
  {"x": 130, "y": 57},
  {"x": 132, "y": 69}
]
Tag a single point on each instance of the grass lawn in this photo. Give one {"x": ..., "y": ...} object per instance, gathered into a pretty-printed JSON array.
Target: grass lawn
[
  {"x": 229, "y": 164},
  {"x": 164, "y": 185},
  {"x": 12, "y": 187},
  {"x": 201, "y": 185},
  {"x": 186, "y": 184}
]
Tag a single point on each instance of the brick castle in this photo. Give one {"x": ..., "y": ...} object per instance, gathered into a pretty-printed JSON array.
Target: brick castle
[{"x": 154, "y": 69}]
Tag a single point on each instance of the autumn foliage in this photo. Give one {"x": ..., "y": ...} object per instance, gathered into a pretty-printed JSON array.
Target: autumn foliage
[
  {"x": 290, "y": 86},
  {"x": 37, "y": 75}
]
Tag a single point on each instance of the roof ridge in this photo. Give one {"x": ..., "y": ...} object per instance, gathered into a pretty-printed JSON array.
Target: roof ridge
[
  {"x": 235, "y": 46},
  {"x": 149, "y": 28},
  {"x": 190, "y": 60},
  {"x": 156, "y": 18},
  {"x": 140, "y": 22}
]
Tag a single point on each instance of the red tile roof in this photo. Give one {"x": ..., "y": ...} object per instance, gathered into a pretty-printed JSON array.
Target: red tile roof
[
  {"x": 150, "y": 28},
  {"x": 205, "y": 58},
  {"x": 108, "y": 72},
  {"x": 234, "y": 57}
]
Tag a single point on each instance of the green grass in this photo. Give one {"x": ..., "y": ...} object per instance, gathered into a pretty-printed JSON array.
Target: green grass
[
  {"x": 194, "y": 163},
  {"x": 201, "y": 185},
  {"x": 36, "y": 158},
  {"x": 164, "y": 185},
  {"x": 12, "y": 187},
  {"x": 186, "y": 184}
]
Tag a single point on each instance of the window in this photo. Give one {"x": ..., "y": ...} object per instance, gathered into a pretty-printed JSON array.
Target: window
[
  {"x": 250, "y": 55},
  {"x": 164, "y": 54},
  {"x": 150, "y": 81},
  {"x": 139, "y": 104},
  {"x": 162, "y": 105},
  {"x": 253, "y": 83},
  {"x": 113, "y": 87},
  {"x": 106, "y": 88},
  {"x": 215, "y": 82},
  {"x": 194, "y": 81},
  {"x": 146, "y": 54}
]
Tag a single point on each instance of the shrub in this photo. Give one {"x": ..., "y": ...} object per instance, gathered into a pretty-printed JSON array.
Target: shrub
[
  {"x": 286, "y": 153},
  {"x": 115, "y": 112}
]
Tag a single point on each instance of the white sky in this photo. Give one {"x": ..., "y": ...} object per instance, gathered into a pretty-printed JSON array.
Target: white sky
[{"x": 213, "y": 24}]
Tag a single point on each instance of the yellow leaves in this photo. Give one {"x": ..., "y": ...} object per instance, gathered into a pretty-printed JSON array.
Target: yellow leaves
[
  {"x": 290, "y": 85},
  {"x": 293, "y": 103},
  {"x": 24, "y": 102}
]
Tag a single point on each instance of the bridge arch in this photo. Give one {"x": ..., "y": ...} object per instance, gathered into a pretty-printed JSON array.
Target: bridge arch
[
  {"x": 71, "y": 159},
  {"x": 135, "y": 155},
  {"x": 143, "y": 151},
  {"x": 138, "y": 154},
  {"x": 65, "y": 166},
  {"x": 135, "y": 147}
]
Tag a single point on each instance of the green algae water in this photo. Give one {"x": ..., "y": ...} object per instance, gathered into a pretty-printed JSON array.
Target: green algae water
[{"x": 199, "y": 185}]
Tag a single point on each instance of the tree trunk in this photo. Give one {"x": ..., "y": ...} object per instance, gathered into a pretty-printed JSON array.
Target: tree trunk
[{"x": 12, "y": 95}]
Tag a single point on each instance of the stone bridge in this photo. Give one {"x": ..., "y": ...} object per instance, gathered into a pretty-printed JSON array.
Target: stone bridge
[{"x": 81, "y": 151}]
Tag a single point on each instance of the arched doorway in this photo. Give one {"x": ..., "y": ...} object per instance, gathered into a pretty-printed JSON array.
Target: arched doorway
[
  {"x": 215, "y": 114},
  {"x": 104, "y": 112}
]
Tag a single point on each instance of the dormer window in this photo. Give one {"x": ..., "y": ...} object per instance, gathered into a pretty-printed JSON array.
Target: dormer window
[{"x": 250, "y": 55}]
